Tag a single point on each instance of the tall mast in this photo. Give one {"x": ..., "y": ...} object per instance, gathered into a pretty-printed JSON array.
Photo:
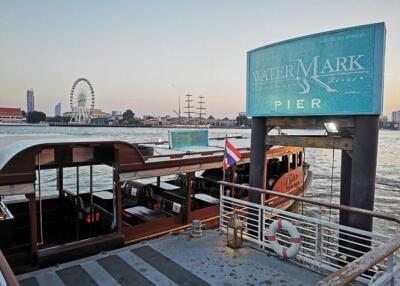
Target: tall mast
[
  {"x": 201, "y": 108},
  {"x": 189, "y": 106},
  {"x": 179, "y": 109}
]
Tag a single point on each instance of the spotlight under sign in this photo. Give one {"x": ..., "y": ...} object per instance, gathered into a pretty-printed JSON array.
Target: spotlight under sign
[{"x": 333, "y": 73}]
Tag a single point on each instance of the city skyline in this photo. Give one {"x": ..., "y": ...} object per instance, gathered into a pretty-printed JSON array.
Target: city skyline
[{"x": 136, "y": 54}]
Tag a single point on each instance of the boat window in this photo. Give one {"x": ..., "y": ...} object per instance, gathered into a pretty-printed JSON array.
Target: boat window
[
  {"x": 102, "y": 179},
  {"x": 285, "y": 164},
  {"x": 48, "y": 183},
  {"x": 300, "y": 159},
  {"x": 293, "y": 161},
  {"x": 276, "y": 167}
]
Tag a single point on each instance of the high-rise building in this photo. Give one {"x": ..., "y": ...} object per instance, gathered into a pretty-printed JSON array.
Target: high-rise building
[
  {"x": 30, "y": 101},
  {"x": 396, "y": 116},
  {"x": 57, "y": 109}
]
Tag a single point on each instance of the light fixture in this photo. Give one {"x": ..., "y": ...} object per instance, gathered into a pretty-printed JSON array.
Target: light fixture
[
  {"x": 331, "y": 127},
  {"x": 234, "y": 232}
]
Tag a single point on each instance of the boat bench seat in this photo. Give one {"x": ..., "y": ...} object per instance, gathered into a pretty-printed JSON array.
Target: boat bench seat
[
  {"x": 174, "y": 196},
  {"x": 144, "y": 214},
  {"x": 135, "y": 194},
  {"x": 167, "y": 208}
]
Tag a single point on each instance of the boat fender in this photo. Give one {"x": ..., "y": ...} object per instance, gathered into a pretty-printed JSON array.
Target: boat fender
[{"x": 294, "y": 234}]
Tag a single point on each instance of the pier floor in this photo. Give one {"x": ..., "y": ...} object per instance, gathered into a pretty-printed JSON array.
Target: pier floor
[{"x": 175, "y": 260}]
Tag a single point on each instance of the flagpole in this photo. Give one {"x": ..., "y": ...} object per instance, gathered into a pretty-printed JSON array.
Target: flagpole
[{"x": 223, "y": 162}]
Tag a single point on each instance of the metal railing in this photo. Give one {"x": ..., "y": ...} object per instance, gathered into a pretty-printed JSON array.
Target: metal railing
[{"x": 326, "y": 247}]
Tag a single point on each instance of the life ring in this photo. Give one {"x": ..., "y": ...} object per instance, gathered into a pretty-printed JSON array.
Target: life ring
[{"x": 294, "y": 234}]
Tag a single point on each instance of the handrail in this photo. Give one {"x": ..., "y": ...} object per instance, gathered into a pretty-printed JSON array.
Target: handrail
[
  {"x": 351, "y": 271},
  {"x": 7, "y": 272},
  {"x": 381, "y": 215}
]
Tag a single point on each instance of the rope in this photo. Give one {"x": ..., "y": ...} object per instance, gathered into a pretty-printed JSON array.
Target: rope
[
  {"x": 304, "y": 180},
  {"x": 333, "y": 166}
]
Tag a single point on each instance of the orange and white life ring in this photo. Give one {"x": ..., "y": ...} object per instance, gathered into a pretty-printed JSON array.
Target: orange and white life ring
[{"x": 294, "y": 234}]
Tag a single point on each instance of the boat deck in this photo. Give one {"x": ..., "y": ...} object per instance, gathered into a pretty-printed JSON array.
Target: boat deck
[{"x": 176, "y": 260}]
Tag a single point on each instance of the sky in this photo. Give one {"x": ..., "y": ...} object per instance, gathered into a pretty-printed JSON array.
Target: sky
[{"x": 143, "y": 55}]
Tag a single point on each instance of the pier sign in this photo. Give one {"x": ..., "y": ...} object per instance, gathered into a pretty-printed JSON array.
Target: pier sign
[
  {"x": 188, "y": 138},
  {"x": 333, "y": 73}
]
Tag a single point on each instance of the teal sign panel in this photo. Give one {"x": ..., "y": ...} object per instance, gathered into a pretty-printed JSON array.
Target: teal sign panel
[
  {"x": 188, "y": 138},
  {"x": 333, "y": 73}
]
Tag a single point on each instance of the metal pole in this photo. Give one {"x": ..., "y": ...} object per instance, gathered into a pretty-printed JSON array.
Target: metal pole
[
  {"x": 363, "y": 170},
  {"x": 257, "y": 168},
  {"x": 257, "y": 164},
  {"x": 223, "y": 162}
]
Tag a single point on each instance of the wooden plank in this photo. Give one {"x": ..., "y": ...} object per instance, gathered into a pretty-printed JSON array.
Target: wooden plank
[
  {"x": 189, "y": 189},
  {"x": 7, "y": 272},
  {"x": 309, "y": 122},
  {"x": 328, "y": 142},
  {"x": 119, "y": 206},
  {"x": 18, "y": 189},
  {"x": 33, "y": 224},
  {"x": 351, "y": 271}
]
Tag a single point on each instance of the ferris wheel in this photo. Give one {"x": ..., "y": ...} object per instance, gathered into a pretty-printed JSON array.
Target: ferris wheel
[{"x": 81, "y": 100}]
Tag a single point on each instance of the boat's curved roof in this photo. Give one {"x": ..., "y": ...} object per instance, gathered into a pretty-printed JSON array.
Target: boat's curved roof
[{"x": 11, "y": 146}]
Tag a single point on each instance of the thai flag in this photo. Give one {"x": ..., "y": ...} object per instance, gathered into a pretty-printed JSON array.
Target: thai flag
[{"x": 232, "y": 155}]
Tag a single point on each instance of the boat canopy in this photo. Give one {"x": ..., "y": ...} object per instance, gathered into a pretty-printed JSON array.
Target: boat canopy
[{"x": 20, "y": 156}]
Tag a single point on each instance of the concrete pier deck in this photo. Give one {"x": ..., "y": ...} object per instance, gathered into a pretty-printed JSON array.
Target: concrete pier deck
[{"x": 176, "y": 260}]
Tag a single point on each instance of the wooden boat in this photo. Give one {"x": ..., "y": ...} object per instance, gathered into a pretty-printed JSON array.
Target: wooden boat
[{"x": 151, "y": 195}]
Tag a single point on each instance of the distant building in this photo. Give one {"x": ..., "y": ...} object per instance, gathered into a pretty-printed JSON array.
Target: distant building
[
  {"x": 115, "y": 114},
  {"x": 151, "y": 122},
  {"x": 30, "y": 101},
  {"x": 396, "y": 116},
  {"x": 68, "y": 114},
  {"x": 98, "y": 113},
  {"x": 99, "y": 121},
  {"x": 57, "y": 109},
  {"x": 384, "y": 122},
  {"x": 11, "y": 115}
]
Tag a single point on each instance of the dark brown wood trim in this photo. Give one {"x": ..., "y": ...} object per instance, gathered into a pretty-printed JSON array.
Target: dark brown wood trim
[
  {"x": 189, "y": 184},
  {"x": 33, "y": 223},
  {"x": 149, "y": 228},
  {"x": 7, "y": 272},
  {"x": 119, "y": 207},
  {"x": 313, "y": 141}
]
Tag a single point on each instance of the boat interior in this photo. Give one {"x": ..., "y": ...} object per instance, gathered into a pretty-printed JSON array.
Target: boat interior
[{"x": 148, "y": 195}]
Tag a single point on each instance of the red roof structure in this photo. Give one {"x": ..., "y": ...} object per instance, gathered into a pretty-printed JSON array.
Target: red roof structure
[{"x": 8, "y": 111}]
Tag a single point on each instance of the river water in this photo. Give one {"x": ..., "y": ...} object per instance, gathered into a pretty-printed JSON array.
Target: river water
[{"x": 325, "y": 186}]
